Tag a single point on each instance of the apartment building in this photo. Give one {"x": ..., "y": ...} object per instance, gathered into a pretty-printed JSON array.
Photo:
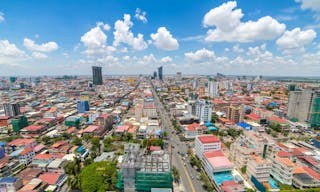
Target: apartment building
[
  {"x": 282, "y": 170},
  {"x": 259, "y": 168}
]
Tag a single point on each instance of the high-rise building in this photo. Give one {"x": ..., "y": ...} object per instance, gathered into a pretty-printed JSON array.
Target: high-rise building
[
  {"x": 304, "y": 105},
  {"x": 154, "y": 75},
  {"x": 82, "y": 106},
  {"x": 160, "y": 75},
  {"x": 11, "y": 109},
  {"x": 204, "y": 110},
  {"x": 213, "y": 88},
  {"x": 235, "y": 113},
  {"x": 97, "y": 75}
]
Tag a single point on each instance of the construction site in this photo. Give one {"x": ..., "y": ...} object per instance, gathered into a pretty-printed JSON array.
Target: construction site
[{"x": 143, "y": 170}]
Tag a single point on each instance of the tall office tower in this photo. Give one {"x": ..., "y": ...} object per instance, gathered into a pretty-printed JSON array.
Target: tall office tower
[
  {"x": 11, "y": 109},
  {"x": 154, "y": 75},
  {"x": 304, "y": 105},
  {"x": 160, "y": 75},
  {"x": 204, "y": 110},
  {"x": 213, "y": 88},
  {"x": 82, "y": 106},
  {"x": 235, "y": 113},
  {"x": 97, "y": 75}
]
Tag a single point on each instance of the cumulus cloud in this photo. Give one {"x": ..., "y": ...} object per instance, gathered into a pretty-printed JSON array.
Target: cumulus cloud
[
  {"x": 1, "y": 17},
  {"x": 314, "y": 5},
  {"x": 164, "y": 40},
  {"x": 39, "y": 55},
  {"x": 141, "y": 15},
  {"x": 228, "y": 26},
  {"x": 123, "y": 34},
  {"x": 200, "y": 55},
  {"x": 295, "y": 40},
  {"x": 9, "y": 53},
  {"x": 95, "y": 40},
  {"x": 44, "y": 47},
  {"x": 166, "y": 59},
  {"x": 237, "y": 48}
]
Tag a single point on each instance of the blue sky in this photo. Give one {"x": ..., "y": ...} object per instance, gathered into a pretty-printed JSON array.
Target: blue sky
[{"x": 135, "y": 37}]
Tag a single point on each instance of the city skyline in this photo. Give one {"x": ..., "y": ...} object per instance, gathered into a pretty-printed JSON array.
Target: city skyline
[{"x": 229, "y": 37}]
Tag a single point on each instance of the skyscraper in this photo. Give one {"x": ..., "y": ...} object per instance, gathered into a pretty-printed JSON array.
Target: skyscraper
[
  {"x": 11, "y": 109},
  {"x": 154, "y": 75},
  {"x": 160, "y": 73},
  {"x": 97, "y": 75},
  {"x": 304, "y": 105},
  {"x": 213, "y": 88},
  {"x": 235, "y": 113}
]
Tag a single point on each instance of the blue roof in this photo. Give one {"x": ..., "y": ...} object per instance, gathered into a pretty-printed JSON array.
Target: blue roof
[
  {"x": 208, "y": 124},
  {"x": 8, "y": 179},
  {"x": 2, "y": 143},
  {"x": 80, "y": 149},
  {"x": 212, "y": 128},
  {"x": 245, "y": 125}
]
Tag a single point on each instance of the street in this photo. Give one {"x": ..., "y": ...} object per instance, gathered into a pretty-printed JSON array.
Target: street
[{"x": 188, "y": 175}]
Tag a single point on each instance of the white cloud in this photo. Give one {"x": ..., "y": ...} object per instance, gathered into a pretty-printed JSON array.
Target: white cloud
[
  {"x": 123, "y": 34},
  {"x": 107, "y": 59},
  {"x": 141, "y": 15},
  {"x": 164, "y": 40},
  {"x": 1, "y": 17},
  {"x": 9, "y": 53},
  {"x": 228, "y": 26},
  {"x": 166, "y": 59},
  {"x": 126, "y": 58},
  {"x": 39, "y": 55},
  {"x": 44, "y": 47},
  {"x": 95, "y": 40},
  {"x": 200, "y": 55},
  {"x": 314, "y": 5},
  {"x": 295, "y": 40},
  {"x": 237, "y": 49}
]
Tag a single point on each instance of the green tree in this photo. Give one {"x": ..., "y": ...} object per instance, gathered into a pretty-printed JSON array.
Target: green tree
[
  {"x": 98, "y": 176},
  {"x": 176, "y": 174},
  {"x": 77, "y": 141},
  {"x": 244, "y": 169}
]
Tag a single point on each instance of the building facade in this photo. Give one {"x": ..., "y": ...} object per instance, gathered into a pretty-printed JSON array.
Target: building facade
[
  {"x": 97, "y": 75},
  {"x": 204, "y": 143}
]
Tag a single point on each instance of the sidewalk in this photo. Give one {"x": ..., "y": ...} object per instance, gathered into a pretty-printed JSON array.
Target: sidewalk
[{"x": 178, "y": 187}]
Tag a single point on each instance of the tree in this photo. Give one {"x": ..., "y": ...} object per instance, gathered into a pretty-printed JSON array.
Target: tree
[
  {"x": 77, "y": 141},
  {"x": 244, "y": 169},
  {"x": 98, "y": 176},
  {"x": 176, "y": 175}
]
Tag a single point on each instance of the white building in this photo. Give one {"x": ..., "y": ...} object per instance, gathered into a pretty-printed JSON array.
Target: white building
[
  {"x": 282, "y": 170},
  {"x": 149, "y": 109},
  {"x": 194, "y": 129},
  {"x": 204, "y": 143},
  {"x": 259, "y": 168},
  {"x": 203, "y": 110},
  {"x": 213, "y": 88},
  {"x": 216, "y": 162}
]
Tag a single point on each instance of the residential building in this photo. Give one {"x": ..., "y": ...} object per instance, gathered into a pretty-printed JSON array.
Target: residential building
[
  {"x": 82, "y": 106},
  {"x": 25, "y": 156},
  {"x": 235, "y": 113},
  {"x": 10, "y": 184},
  {"x": 204, "y": 143},
  {"x": 282, "y": 170},
  {"x": 194, "y": 129},
  {"x": 259, "y": 168},
  {"x": 11, "y": 109},
  {"x": 213, "y": 88},
  {"x": 97, "y": 75},
  {"x": 203, "y": 110}
]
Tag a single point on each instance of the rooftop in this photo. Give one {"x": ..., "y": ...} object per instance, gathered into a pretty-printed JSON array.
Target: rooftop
[{"x": 208, "y": 139}]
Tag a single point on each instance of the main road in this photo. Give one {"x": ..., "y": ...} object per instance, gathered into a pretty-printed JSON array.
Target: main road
[{"x": 188, "y": 174}]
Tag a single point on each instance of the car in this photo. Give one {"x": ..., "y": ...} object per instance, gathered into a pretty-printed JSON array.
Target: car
[{"x": 192, "y": 177}]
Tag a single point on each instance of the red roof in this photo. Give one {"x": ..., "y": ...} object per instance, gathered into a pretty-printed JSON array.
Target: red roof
[
  {"x": 34, "y": 127},
  {"x": 90, "y": 129},
  {"x": 59, "y": 143},
  {"x": 50, "y": 178},
  {"x": 155, "y": 148},
  {"x": 193, "y": 126},
  {"x": 277, "y": 119},
  {"x": 253, "y": 116},
  {"x": 20, "y": 141},
  {"x": 26, "y": 151},
  {"x": 4, "y": 117},
  {"x": 43, "y": 156},
  {"x": 208, "y": 139},
  {"x": 310, "y": 160},
  {"x": 283, "y": 154},
  {"x": 312, "y": 172},
  {"x": 210, "y": 154}
]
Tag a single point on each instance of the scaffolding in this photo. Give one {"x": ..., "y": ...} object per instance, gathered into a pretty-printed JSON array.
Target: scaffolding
[
  {"x": 315, "y": 115},
  {"x": 142, "y": 172}
]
